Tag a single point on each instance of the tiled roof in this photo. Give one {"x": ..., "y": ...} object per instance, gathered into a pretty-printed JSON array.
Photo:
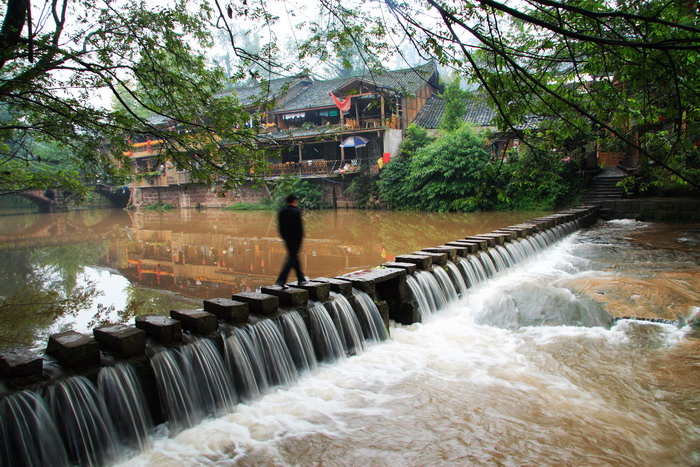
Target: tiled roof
[
  {"x": 249, "y": 94},
  {"x": 316, "y": 94},
  {"x": 478, "y": 112}
]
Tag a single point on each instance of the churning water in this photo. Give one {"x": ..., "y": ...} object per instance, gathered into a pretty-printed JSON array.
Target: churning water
[{"x": 526, "y": 367}]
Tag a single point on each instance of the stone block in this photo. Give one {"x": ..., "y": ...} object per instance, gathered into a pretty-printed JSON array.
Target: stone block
[
  {"x": 163, "y": 329},
  {"x": 20, "y": 363},
  {"x": 498, "y": 239},
  {"x": 438, "y": 258},
  {"x": 231, "y": 311},
  {"x": 340, "y": 286},
  {"x": 383, "y": 308},
  {"x": 259, "y": 303},
  {"x": 471, "y": 247},
  {"x": 451, "y": 252},
  {"x": 483, "y": 243},
  {"x": 409, "y": 267},
  {"x": 460, "y": 250},
  {"x": 198, "y": 321},
  {"x": 125, "y": 341},
  {"x": 318, "y": 291},
  {"x": 289, "y": 296},
  {"x": 74, "y": 349},
  {"x": 422, "y": 261},
  {"x": 510, "y": 234}
]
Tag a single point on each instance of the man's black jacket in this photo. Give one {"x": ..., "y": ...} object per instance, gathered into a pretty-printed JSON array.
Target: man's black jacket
[{"x": 290, "y": 225}]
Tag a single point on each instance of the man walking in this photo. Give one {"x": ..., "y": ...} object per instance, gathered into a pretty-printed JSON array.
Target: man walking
[{"x": 292, "y": 231}]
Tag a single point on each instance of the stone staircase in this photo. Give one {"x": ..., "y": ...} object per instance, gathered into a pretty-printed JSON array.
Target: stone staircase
[{"x": 604, "y": 187}]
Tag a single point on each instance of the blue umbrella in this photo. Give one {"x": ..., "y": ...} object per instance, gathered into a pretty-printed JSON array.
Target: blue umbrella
[{"x": 354, "y": 142}]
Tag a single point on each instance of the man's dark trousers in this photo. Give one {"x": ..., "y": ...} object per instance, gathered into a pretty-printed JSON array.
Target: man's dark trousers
[{"x": 292, "y": 261}]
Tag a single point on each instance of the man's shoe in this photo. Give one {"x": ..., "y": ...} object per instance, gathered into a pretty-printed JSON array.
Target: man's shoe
[{"x": 281, "y": 284}]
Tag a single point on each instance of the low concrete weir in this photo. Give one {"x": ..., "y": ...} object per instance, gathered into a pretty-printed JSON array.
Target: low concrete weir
[{"x": 198, "y": 363}]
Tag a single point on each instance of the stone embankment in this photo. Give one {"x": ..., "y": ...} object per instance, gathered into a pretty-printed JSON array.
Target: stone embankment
[{"x": 73, "y": 353}]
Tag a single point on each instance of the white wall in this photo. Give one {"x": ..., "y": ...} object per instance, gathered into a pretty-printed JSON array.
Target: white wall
[{"x": 392, "y": 141}]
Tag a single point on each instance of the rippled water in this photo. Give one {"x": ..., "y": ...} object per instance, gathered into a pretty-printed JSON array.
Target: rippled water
[{"x": 471, "y": 387}]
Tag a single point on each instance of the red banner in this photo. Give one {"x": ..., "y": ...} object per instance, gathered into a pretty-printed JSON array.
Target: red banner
[{"x": 343, "y": 105}]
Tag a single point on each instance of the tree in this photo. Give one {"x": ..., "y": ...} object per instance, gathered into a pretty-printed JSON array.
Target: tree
[
  {"x": 57, "y": 56},
  {"x": 625, "y": 70},
  {"x": 455, "y": 104},
  {"x": 453, "y": 173}
]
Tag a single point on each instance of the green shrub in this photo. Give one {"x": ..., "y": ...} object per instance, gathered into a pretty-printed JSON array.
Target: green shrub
[
  {"x": 453, "y": 173},
  {"x": 158, "y": 207},
  {"x": 310, "y": 195},
  {"x": 364, "y": 189},
  {"x": 247, "y": 206}
]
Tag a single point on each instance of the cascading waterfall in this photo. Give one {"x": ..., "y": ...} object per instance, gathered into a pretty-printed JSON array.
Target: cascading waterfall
[
  {"x": 370, "y": 319},
  {"x": 298, "y": 341},
  {"x": 121, "y": 391},
  {"x": 210, "y": 381},
  {"x": 246, "y": 367},
  {"x": 348, "y": 327},
  {"x": 457, "y": 279},
  {"x": 83, "y": 421},
  {"x": 174, "y": 390},
  {"x": 517, "y": 251},
  {"x": 498, "y": 260},
  {"x": 446, "y": 285},
  {"x": 431, "y": 287},
  {"x": 424, "y": 306},
  {"x": 473, "y": 271},
  {"x": 324, "y": 334},
  {"x": 278, "y": 363},
  {"x": 488, "y": 264},
  {"x": 505, "y": 256},
  {"x": 28, "y": 433}
]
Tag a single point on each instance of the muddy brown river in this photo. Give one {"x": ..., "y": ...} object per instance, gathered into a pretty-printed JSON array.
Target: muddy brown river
[{"x": 470, "y": 386}]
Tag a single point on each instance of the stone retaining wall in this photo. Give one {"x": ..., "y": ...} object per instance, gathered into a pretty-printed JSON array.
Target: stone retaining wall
[
  {"x": 195, "y": 195},
  {"x": 652, "y": 209}
]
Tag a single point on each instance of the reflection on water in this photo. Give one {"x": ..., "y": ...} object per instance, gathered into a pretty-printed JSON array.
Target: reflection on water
[{"x": 79, "y": 269}]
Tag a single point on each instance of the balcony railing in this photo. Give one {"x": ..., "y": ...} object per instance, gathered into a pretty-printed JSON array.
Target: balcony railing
[{"x": 320, "y": 167}]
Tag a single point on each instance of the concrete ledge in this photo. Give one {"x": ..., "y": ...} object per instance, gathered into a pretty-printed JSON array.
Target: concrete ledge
[
  {"x": 438, "y": 258},
  {"x": 367, "y": 279},
  {"x": 165, "y": 330},
  {"x": 460, "y": 250},
  {"x": 290, "y": 296},
  {"x": 228, "y": 310},
  {"x": 260, "y": 303},
  {"x": 471, "y": 247},
  {"x": 498, "y": 238},
  {"x": 125, "y": 341},
  {"x": 421, "y": 261},
  {"x": 318, "y": 291},
  {"x": 340, "y": 286},
  {"x": 450, "y": 251},
  {"x": 510, "y": 235},
  {"x": 409, "y": 267},
  {"x": 490, "y": 241},
  {"x": 74, "y": 349},
  {"x": 198, "y": 321},
  {"x": 20, "y": 363}
]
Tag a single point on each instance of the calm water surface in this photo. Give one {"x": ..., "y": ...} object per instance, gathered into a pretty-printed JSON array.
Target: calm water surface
[{"x": 80, "y": 269}]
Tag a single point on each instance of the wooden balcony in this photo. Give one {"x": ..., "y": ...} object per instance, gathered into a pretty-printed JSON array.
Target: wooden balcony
[{"x": 319, "y": 167}]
